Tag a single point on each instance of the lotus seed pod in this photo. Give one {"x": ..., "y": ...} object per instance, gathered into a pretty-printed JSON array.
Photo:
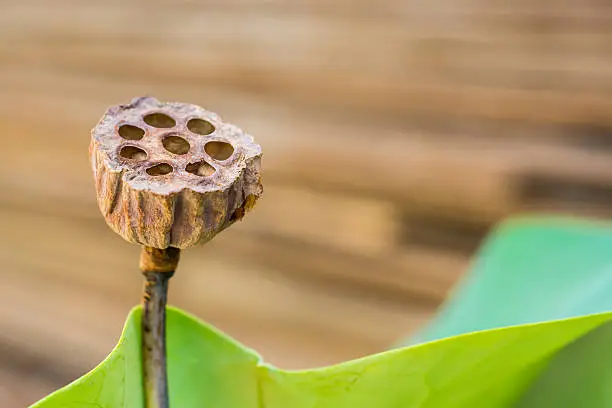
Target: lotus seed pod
[{"x": 172, "y": 174}]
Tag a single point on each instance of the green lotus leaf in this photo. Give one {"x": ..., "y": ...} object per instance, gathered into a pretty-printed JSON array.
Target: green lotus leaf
[
  {"x": 531, "y": 270},
  {"x": 527, "y": 328}
]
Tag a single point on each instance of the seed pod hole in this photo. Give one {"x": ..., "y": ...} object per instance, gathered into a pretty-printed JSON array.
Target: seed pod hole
[
  {"x": 200, "y": 126},
  {"x": 133, "y": 153},
  {"x": 160, "y": 169},
  {"x": 131, "y": 132},
  {"x": 200, "y": 168},
  {"x": 159, "y": 120},
  {"x": 219, "y": 150},
  {"x": 176, "y": 144}
]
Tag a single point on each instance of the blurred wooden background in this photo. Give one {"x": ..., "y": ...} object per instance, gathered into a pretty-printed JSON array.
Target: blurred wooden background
[{"x": 395, "y": 134}]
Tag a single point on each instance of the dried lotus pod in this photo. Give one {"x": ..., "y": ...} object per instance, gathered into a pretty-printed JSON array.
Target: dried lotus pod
[{"x": 172, "y": 174}]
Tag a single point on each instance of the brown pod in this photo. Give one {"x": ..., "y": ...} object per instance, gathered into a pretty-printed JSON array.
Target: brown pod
[{"x": 172, "y": 174}]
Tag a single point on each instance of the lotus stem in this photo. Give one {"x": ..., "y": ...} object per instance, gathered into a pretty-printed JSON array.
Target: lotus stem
[{"x": 157, "y": 266}]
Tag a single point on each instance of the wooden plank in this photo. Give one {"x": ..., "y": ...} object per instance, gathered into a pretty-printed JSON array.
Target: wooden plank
[
  {"x": 440, "y": 234},
  {"x": 356, "y": 224},
  {"x": 21, "y": 389},
  {"x": 520, "y": 7},
  {"x": 432, "y": 71},
  {"x": 429, "y": 61},
  {"x": 124, "y": 25},
  {"x": 422, "y": 274},
  {"x": 426, "y": 177},
  {"x": 62, "y": 98},
  {"x": 43, "y": 98},
  {"x": 58, "y": 317},
  {"x": 500, "y": 15},
  {"x": 559, "y": 176},
  {"x": 346, "y": 90}
]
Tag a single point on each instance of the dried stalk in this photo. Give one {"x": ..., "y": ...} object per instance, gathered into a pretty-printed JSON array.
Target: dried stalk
[{"x": 157, "y": 266}]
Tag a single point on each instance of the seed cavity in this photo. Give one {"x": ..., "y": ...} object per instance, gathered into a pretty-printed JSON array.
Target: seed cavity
[
  {"x": 133, "y": 153},
  {"x": 159, "y": 120},
  {"x": 200, "y": 126},
  {"x": 201, "y": 168},
  {"x": 131, "y": 132},
  {"x": 219, "y": 150},
  {"x": 176, "y": 144},
  {"x": 160, "y": 169}
]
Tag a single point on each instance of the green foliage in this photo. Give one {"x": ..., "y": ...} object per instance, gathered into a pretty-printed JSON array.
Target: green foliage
[
  {"x": 523, "y": 330},
  {"x": 531, "y": 270}
]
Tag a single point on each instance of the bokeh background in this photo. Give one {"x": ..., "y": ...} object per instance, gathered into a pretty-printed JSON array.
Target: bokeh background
[{"x": 395, "y": 135}]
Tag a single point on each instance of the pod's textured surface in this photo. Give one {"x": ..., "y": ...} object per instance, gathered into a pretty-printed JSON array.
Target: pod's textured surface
[{"x": 172, "y": 174}]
